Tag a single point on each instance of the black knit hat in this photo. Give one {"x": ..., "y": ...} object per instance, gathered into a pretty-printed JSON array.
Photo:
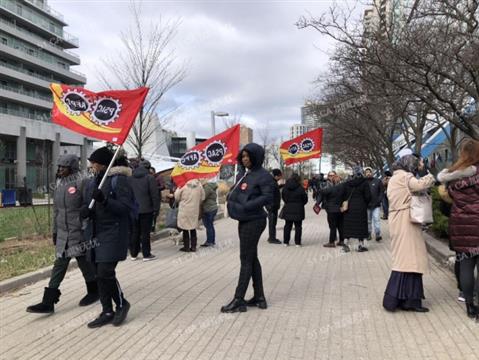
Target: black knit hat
[{"x": 101, "y": 156}]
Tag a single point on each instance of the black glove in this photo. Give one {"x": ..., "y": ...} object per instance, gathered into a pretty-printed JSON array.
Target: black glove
[
  {"x": 54, "y": 238},
  {"x": 86, "y": 213},
  {"x": 98, "y": 196}
]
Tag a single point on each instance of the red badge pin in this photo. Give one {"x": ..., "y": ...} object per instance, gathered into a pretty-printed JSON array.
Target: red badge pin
[
  {"x": 72, "y": 190},
  {"x": 244, "y": 186}
]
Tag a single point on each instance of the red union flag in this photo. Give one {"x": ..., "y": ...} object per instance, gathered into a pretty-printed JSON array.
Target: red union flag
[
  {"x": 107, "y": 115},
  {"x": 205, "y": 159},
  {"x": 303, "y": 147}
]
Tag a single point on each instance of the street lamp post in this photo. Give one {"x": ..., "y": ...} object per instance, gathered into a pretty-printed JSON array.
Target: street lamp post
[{"x": 213, "y": 114}]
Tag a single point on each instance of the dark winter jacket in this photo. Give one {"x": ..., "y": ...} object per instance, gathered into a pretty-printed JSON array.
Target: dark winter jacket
[
  {"x": 111, "y": 225},
  {"x": 253, "y": 189},
  {"x": 376, "y": 188},
  {"x": 294, "y": 197},
  {"x": 146, "y": 191},
  {"x": 463, "y": 187},
  {"x": 332, "y": 197},
  {"x": 276, "y": 204},
  {"x": 356, "y": 218},
  {"x": 210, "y": 203},
  {"x": 67, "y": 225}
]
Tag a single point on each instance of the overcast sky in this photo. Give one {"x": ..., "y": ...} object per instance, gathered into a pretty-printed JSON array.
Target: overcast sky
[{"x": 244, "y": 57}]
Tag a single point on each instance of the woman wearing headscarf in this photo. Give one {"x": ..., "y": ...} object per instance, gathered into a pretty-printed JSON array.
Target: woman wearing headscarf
[
  {"x": 462, "y": 181},
  {"x": 409, "y": 255},
  {"x": 355, "y": 222}
]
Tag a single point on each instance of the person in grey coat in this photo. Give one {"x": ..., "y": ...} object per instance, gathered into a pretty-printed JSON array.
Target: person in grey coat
[
  {"x": 147, "y": 195},
  {"x": 68, "y": 236}
]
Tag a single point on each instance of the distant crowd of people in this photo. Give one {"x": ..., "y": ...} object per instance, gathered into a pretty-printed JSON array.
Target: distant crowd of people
[{"x": 98, "y": 225}]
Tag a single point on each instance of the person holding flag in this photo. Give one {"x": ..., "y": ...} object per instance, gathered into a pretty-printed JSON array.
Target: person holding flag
[
  {"x": 109, "y": 200},
  {"x": 246, "y": 201},
  {"x": 110, "y": 227}
]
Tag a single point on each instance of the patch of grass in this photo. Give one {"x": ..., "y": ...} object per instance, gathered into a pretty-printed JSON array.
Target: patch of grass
[
  {"x": 20, "y": 257},
  {"x": 23, "y": 222}
]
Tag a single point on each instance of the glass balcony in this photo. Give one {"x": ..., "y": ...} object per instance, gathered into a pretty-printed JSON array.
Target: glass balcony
[
  {"x": 14, "y": 44},
  {"x": 19, "y": 69},
  {"x": 50, "y": 42},
  {"x": 46, "y": 25},
  {"x": 46, "y": 8},
  {"x": 31, "y": 93},
  {"x": 25, "y": 114}
]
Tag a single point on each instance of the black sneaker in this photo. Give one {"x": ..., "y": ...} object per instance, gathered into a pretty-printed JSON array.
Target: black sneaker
[
  {"x": 346, "y": 248},
  {"x": 149, "y": 257},
  {"x": 207, "y": 244},
  {"x": 362, "y": 248},
  {"x": 120, "y": 314},
  {"x": 379, "y": 238},
  {"x": 102, "y": 319},
  {"x": 274, "y": 241}
]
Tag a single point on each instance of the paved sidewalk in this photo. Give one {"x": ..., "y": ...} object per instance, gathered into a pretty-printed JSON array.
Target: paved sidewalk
[{"x": 323, "y": 305}]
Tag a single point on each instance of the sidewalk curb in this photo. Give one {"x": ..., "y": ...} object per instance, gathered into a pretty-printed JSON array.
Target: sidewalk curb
[
  {"x": 44, "y": 273},
  {"x": 440, "y": 251}
]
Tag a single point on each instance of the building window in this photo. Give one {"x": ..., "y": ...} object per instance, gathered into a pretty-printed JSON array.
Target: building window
[{"x": 4, "y": 41}]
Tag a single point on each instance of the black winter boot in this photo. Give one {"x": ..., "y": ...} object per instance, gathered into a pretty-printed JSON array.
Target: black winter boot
[
  {"x": 92, "y": 294},
  {"x": 234, "y": 306},
  {"x": 472, "y": 310},
  {"x": 50, "y": 297}
]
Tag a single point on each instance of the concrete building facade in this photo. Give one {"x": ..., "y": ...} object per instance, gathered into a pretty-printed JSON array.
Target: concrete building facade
[{"x": 34, "y": 52}]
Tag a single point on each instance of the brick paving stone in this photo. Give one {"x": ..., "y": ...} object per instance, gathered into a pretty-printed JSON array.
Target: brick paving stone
[{"x": 323, "y": 304}]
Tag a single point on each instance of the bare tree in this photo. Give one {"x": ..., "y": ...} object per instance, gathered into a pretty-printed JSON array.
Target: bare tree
[
  {"x": 145, "y": 60},
  {"x": 400, "y": 78}
]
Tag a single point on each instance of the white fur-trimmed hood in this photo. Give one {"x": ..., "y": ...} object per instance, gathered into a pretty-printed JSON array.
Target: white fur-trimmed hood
[
  {"x": 445, "y": 176},
  {"x": 120, "y": 170}
]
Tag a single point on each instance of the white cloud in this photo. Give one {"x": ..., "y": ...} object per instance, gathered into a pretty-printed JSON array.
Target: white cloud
[{"x": 243, "y": 57}]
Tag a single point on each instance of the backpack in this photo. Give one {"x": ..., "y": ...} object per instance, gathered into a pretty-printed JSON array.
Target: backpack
[{"x": 133, "y": 205}]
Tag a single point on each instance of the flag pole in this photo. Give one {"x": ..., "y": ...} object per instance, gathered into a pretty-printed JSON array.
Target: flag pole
[{"x": 92, "y": 202}]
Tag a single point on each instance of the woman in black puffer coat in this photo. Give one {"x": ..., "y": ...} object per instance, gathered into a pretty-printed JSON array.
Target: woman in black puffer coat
[
  {"x": 294, "y": 198},
  {"x": 358, "y": 195}
]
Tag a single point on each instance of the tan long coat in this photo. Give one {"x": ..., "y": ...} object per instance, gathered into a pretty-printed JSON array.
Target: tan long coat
[
  {"x": 189, "y": 198},
  {"x": 408, "y": 246}
]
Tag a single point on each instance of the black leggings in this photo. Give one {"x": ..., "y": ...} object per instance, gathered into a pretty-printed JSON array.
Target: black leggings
[
  {"x": 468, "y": 264},
  {"x": 108, "y": 286},
  {"x": 249, "y": 234}
]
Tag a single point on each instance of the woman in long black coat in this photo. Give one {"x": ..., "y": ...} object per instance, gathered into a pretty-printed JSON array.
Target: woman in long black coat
[
  {"x": 294, "y": 198},
  {"x": 358, "y": 195}
]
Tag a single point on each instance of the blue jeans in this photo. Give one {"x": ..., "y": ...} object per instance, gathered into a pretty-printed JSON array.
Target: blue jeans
[
  {"x": 374, "y": 222},
  {"x": 208, "y": 219}
]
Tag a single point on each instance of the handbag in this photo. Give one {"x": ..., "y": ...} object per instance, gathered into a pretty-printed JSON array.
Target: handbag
[
  {"x": 345, "y": 204},
  {"x": 317, "y": 208},
  {"x": 171, "y": 220},
  {"x": 420, "y": 210}
]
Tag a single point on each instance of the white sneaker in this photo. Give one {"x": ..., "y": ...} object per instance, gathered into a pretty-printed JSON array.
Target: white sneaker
[
  {"x": 285, "y": 244},
  {"x": 133, "y": 258},
  {"x": 461, "y": 297},
  {"x": 298, "y": 245}
]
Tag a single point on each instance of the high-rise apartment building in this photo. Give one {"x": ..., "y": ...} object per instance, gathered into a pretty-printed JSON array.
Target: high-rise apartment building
[
  {"x": 297, "y": 130},
  {"x": 387, "y": 16},
  {"x": 34, "y": 52}
]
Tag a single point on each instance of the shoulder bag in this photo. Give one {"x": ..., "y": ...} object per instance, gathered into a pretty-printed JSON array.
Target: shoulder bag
[
  {"x": 345, "y": 204},
  {"x": 420, "y": 210}
]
